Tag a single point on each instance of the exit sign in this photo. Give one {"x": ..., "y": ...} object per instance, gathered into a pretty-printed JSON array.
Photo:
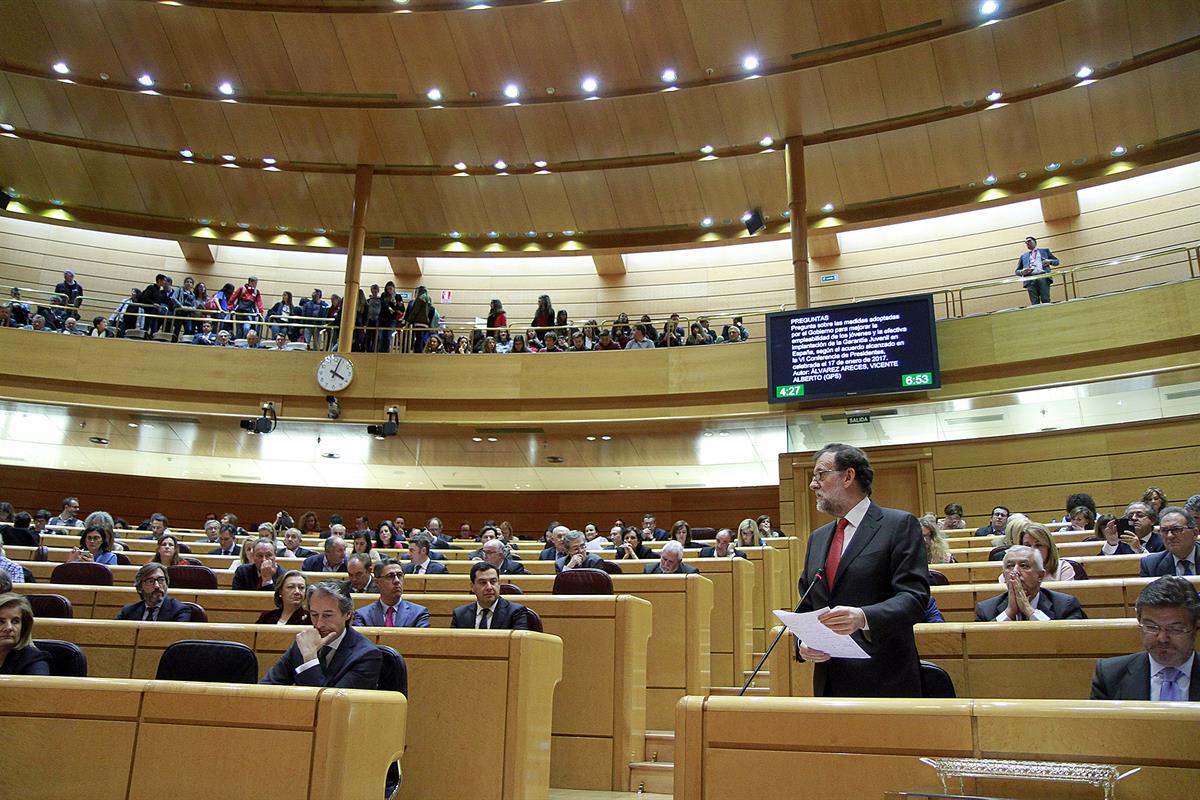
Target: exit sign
[{"x": 857, "y": 419}]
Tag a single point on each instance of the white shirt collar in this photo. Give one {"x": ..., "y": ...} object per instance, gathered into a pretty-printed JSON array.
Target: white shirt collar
[
  {"x": 855, "y": 515},
  {"x": 336, "y": 643}
]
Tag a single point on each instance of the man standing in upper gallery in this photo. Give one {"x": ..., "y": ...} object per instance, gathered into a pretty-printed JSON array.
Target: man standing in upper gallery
[
  {"x": 1035, "y": 267},
  {"x": 874, "y": 581}
]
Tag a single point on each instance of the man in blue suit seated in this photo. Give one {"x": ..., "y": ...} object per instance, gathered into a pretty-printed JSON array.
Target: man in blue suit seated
[
  {"x": 577, "y": 555},
  {"x": 1177, "y": 527},
  {"x": 152, "y": 584},
  {"x": 332, "y": 560},
  {"x": 1167, "y": 668},
  {"x": 391, "y": 610},
  {"x": 330, "y": 653},
  {"x": 489, "y": 610},
  {"x": 496, "y": 553},
  {"x": 1142, "y": 519},
  {"x": 1025, "y": 598},
  {"x": 670, "y": 561},
  {"x": 419, "y": 562}
]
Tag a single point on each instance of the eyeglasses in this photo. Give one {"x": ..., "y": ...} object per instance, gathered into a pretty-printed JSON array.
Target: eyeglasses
[
  {"x": 1151, "y": 629},
  {"x": 159, "y": 579},
  {"x": 1173, "y": 531},
  {"x": 819, "y": 474}
]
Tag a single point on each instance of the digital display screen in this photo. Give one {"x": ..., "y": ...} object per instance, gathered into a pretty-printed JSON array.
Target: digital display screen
[{"x": 873, "y": 347}]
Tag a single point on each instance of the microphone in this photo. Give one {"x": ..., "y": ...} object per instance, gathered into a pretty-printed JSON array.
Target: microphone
[{"x": 818, "y": 577}]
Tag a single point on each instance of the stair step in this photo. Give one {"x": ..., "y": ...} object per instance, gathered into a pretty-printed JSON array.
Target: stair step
[
  {"x": 762, "y": 679},
  {"x": 657, "y": 777},
  {"x": 732, "y": 691},
  {"x": 660, "y": 746}
]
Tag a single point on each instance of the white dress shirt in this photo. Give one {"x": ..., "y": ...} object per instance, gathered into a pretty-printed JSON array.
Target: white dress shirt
[
  {"x": 1038, "y": 614},
  {"x": 333, "y": 646}
]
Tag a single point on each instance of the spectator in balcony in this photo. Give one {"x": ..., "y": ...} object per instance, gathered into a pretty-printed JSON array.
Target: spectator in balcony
[
  {"x": 462, "y": 346},
  {"x": 533, "y": 341},
  {"x": 1034, "y": 266},
  {"x": 579, "y": 343},
  {"x": 621, "y": 330},
  {"x": 166, "y": 552},
  {"x": 57, "y": 313},
  {"x": 37, "y": 323},
  {"x": 723, "y": 548},
  {"x": 497, "y": 318},
  {"x": 504, "y": 341},
  {"x": 606, "y": 341},
  {"x": 591, "y": 333},
  {"x": 280, "y": 314},
  {"x": 280, "y": 343},
  {"x": 953, "y": 521},
  {"x": 202, "y": 298},
  {"x": 391, "y": 309},
  {"x": 206, "y": 335},
  {"x": 18, "y": 655},
  {"x": 317, "y": 309},
  {"x": 749, "y": 534},
  {"x": 670, "y": 336},
  {"x": 185, "y": 307},
  {"x": 21, "y": 533},
  {"x": 1181, "y": 555},
  {"x": 543, "y": 317},
  {"x": 551, "y": 344},
  {"x": 709, "y": 332},
  {"x": 100, "y": 328},
  {"x": 224, "y": 339},
  {"x": 1156, "y": 499},
  {"x": 489, "y": 345},
  {"x": 252, "y": 340},
  {"x": 736, "y": 324},
  {"x": 246, "y": 305},
  {"x": 733, "y": 336},
  {"x": 639, "y": 340},
  {"x": 937, "y": 548},
  {"x": 519, "y": 345},
  {"x": 434, "y": 345},
  {"x": 697, "y": 336},
  {"x": 155, "y": 301},
  {"x": 70, "y": 289},
  {"x": 562, "y": 325},
  {"x": 71, "y": 327},
  {"x": 1025, "y": 599},
  {"x": 6, "y": 319},
  {"x": 18, "y": 307},
  {"x": 419, "y": 318},
  {"x": 94, "y": 546},
  {"x": 289, "y": 601}
]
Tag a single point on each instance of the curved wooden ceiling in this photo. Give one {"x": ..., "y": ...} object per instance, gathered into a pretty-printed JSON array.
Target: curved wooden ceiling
[{"x": 889, "y": 96}]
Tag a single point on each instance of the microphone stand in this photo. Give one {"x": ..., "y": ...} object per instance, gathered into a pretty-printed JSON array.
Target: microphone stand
[{"x": 818, "y": 577}]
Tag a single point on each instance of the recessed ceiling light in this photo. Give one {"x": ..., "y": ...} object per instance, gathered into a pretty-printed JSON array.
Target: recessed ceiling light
[
  {"x": 492, "y": 234},
  {"x": 455, "y": 234},
  {"x": 492, "y": 439},
  {"x": 989, "y": 180},
  {"x": 827, "y": 207},
  {"x": 540, "y": 164},
  {"x": 1119, "y": 150},
  {"x": 229, "y": 157},
  {"x": 225, "y": 88},
  {"x": 331, "y": 455},
  {"x": 706, "y": 222},
  {"x": 589, "y": 84},
  {"x": 186, "y": 153},
  {"x": 750, "y": 63},
  {"x": 97, "y": 440},
  {"x": 746, "y": 215},
  {"x": 56, "y": 202},
  {"x": 132, "y": 424},
  {"x": 145, "y": 80},
  {"x": 476, "y": 438},
  {"x": 500, "y": 164},
  {"x": 6, "y": 127},
  {"x": 461, "y": 166},
  {"x": 268, "y": 160},
  {"x": 766, "y": 141},
  {"x": 568, "y": 232},
  {"x": 512, "y": 91},
  {"x": 994, "y": 95},
  {"x": 434, "y": 94},
  {"x": 1084, "y": 72},
  {"x": 60, "y": 67},
  {"x": 531, "y": 234},
  {"x": 590, "y": 438},
  {"x": 707, "y": 433},
  {"x": 989, "y": 7},
  {"x": 669, "y": 75},
  {"x": 243, "y": 225},
  {"x": 706, "y": 149},
  {"x": 723, "y": 433},
  {"x": 605, "y": 438},
  {"x": 1052, "y": 166}
]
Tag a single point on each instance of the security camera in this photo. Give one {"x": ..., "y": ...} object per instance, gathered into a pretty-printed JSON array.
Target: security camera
[{"x": 335, "y": 410}]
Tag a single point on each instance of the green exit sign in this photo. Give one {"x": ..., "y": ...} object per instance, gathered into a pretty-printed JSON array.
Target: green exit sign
[
  {"x": 917, "y": 379},
  {"x": 790, "y": 391}
]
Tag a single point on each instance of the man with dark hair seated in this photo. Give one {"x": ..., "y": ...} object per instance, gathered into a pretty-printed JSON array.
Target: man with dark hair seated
[
  {"x": 1168, "y": 611},
  {"x": 391, "y": 610},
  {"x": 419, "y": 562},
  {"x": 577, "y": 555},
  {"x": 330, "y": 653},
  {"x": 1177, "y": 527},
  {"x": 489, "y": 610},
  {"x": 152, "y": 584},
  {"x": 1025, "y": 598}
]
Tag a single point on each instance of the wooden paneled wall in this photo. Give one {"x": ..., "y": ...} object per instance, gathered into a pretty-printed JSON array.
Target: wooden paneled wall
[
  {"x": 1130, "y": 216},
  {"x": 187, "y": 502},
  {"x": 1031, "y": 473}
]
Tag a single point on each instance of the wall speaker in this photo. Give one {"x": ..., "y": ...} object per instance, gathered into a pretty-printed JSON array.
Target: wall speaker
[{"x": 753, "y": 221}]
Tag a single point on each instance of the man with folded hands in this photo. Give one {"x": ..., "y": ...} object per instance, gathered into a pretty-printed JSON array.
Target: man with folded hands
[{"x": 1025, "y": 599}]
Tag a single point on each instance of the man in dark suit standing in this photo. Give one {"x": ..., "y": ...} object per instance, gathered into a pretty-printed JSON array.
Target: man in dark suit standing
[
  {"x": 419, "y": 562},
  {"x": 1035, "y": 267},
  {"x": 330, "y": 653},
  {"x": 152, "y": 585},
  {"x": 489, "y": 610},
  {"x": 670, "y": 562},
  {"x": 263, "y": 571},
  {"x": 1168, "y": 611},
  {"x": 495, "y": 552},
  {"x": 1025, "y": 598},
  {"x": 1177, "y": 527},
  {"x": 876, "y": 582}
]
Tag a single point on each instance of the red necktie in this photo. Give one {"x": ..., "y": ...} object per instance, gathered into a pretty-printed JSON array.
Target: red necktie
[
  {"x": 835, "y": 551},
  {"x": 389, "y": 619}
]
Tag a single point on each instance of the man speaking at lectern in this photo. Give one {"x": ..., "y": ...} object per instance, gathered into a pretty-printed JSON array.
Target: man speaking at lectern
[{"x": 874, "y": 580}]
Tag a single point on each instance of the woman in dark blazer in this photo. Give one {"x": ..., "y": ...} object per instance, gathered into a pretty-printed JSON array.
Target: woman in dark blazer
[
  {"x": 18, "y": 656},
  {"x": 631, "y": 546},
  {"x": 289, "y": 601}
]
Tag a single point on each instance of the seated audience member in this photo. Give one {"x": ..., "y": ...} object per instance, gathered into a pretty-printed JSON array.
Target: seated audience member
[
  {"x": 7, "y": 512},
  {"x": 937, "y": 548},
  {"x": 94, "y": 546},
  {"x": 650, "y": 529},
  {"x": 6, "y": 583},
  {"x": 227, "y": 539},
  {"x": 309, "y": 525},
  {"x": 358, "y": 567},
  {"x": 696, "y": 335},
  {"x": 1037, "y": 536},
  {"x": 556, "y": 546},
  {"x": 503, "y": 342},
  {"x": 336, "y": 528},
  {"x": 330, "y": 653},
  {"x": 1192, "y": 506},
  {"x": 1107, "y": 532},
  {"x": 166, "y": 552},
  {"x": 631, "y": 544},
  {"x": 206, "y": 336},
  {"x": 1181, "y": 555},
  {"x": 995, "y": 526},
  {"x": 579, "y": 343},
  {"x": 1076, "y": 500},
  {"x": 332, "y": 560},
  {"x": 749, "y": 534},
  {"x": 497, "y": 553},
  {"x": 212, "y": 531},
  {"x": 224, "y": 339},
  {"x": 932, "y": 612},
  {"x": 364, "y": 542},
  {"x": 1168, "y": 611},
  {"x": 69, "y": 516},
  {"x": 386, "y": 536},
  {"x": 734, "y": 335},
  {"x": 41, "y": 518},
  {"x": 723, "y": 548},
  {"x": 21, "y": 533},
  {"x": 670, "y": 561},
  {"x": 765, "y": 528},
  {"x": 391, "y": 610},
  {"x": 595, "y": 542},
  {"x": 253, "y": 342},
  {"x": 1081, "y": 518},
  {"x": 606, "y": 341},
  {"x": 486, "y": 534},
  {"x": 440, "y": 539},
  {"x": 71, "y": 327},
  {"x": 639, "y": 340},
  {"x": 577, "y": 555},
  {"x": 11, "y": 568},
  {"x": 294, "y": 544},
  {"x": 263, "y": 570},
  {"x": 18, "y": 656},
  {"x": 681, "y": 532},
  {"x": 100, "y": 328},
  {"x": 289, "y": 601},
  {"x": 550, "y": 343},
  {"x": 953, "y": 519},
  {"x": 419, "y": 562},
  {"x": 1143, "y": 539},
  {"x": 1156, "y": 498},
  {"x": 1025, "y": 598},
  {"x": 152, "y": 585},
  {"x": 489, "y": 610}
]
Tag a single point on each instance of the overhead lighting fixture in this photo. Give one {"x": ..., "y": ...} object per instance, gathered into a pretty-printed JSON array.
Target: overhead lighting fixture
[
  {"x": 1119, "y": 150},
  {"x": 244, "y": 225},
  {"x": 61, "y": 68},
  {"x": 747, "y": 215},
  {"x": 145, "y": 80},
  {"x": 589, "y": 85},
  {"x": 531, "y": 234},
  {"x": 605, "y": 438},
  {"x": 225, "y": 88},
  {"x": 132, "y": 424},
  {"x": 827, "y": 207},
  {"x": 492, "y": 439},
  {"x": 540, "y": 164},
  {"x": 476, "y": 438},
  {"x": 268, "y": 160},
  {"x": 461, "y": 166},
  {"x": 766, "y": 141},
  {"x": 434, "y": 94},
  {"x": 500, "y": 164},
  {"x": 4, "y": 126},
  {"x": 989, "y": 7},
  {"x": 989, "y": 180},
  {"x": 1084, "y": 72},
  {"x": 569, "y": 232},
  {"x": 706, "y": 149},
  {"x": 669, "y": 75},
  {"x": 229, "y": 157},
  {"x": 706, "y": 222},
  {"x": 1052, "y": 166},
  {"x": 590, "y": 438},
  {"x": 455, "y": 234},
  {"x": 994, "y": 95},
  {"x": 389, "y": 428},
  {"x": 750, "y": 63},
  {"x": 186, "y": 153},
  {"x": 492, "y": 234},
  {"x": 512, "y": 91}
]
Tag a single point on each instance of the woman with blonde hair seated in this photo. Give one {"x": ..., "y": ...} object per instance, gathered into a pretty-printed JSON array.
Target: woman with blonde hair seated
[
  {"x": 937, "y": 548},
  {"x": 749, "y": 534},
  {"x": 1036, "y": 535}
]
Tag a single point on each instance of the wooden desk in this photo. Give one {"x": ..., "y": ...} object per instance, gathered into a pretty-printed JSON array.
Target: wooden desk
[
  {"x": 1101, "y": 598},
  {"x": 112, "y": 739},
  {"x": 1096, "y": 566}
]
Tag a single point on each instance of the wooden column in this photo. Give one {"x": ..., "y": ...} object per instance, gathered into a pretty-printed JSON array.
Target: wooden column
[
  {"x": 354, "y": 255},
  {"x": 793, "y": 153}
]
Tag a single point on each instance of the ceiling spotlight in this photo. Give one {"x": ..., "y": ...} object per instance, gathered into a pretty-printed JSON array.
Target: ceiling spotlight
[
  {"x": 605, "y": 438},
  {"x": 512, "y": 91},
  {"x": 492, "y": 439},
  {"x": 531, "y": 234},
  {"x": 590, "y": 438},
  {"x": 492, "y": 234},
  {"x": 1052, "y": 166},
  {"x": 268, "y": 160},
  {"x": 706, "y": 222},
  {"x": 4, "y": 126},
  {"x": 994, "y": 95},
  {"x": 225, "y": 88},
  {"x": 706, "y": 149},
  {"x": 766, "y": 141},
  {"x": 229, "y": 157},
  {"x": 827, "y": 207},
  {"x": 60, "y": 67},
  {"x": 455, "y": 234},
  {"x": 747, "y": 215},
  {"x": 264, "y": 424},
  {"x": 132, "y": 424},
  {"x": 568, "y": 232},
  {"x": 668, "y": 75},
  {"x": 989, "y": 180},
  {"x": 989, "y": 7},
  {"x": 1119, "y": 150},
  {"x": 389, "y": 428},
  {"x": 540, "y": 164},
  {"x": 589, "y": 85},
  {"x": 1084, "y": 72},
  {"x": 145, "y": 80},
  {"x": 434, "y": 94},
  {"x": 500, "y": 164},
  {"x": 461, "y": 166},
  {"x": 476, "y": 438},
  {"x": 186, "y": 153},
  {"x": 97, "y": 440},
  {"x": 750, "y": 63}
]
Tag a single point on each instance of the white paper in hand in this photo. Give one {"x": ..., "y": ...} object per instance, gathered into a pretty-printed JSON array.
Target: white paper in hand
[{"x": 807, "y": 629}]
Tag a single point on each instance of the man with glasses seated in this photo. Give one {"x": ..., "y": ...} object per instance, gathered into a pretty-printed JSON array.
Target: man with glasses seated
[
  {"x": 1142, "y": 520},
  {"x": 1025, "y": 598},
  {"x": 152, "y": 585},
  {"x": 1177, "y": 527},
  {"x": 391, "y": 610},
  {"x": 1167, "y": 612}
]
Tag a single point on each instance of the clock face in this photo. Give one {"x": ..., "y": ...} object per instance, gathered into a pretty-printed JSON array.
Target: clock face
[{"x": 334, "y": 373}]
